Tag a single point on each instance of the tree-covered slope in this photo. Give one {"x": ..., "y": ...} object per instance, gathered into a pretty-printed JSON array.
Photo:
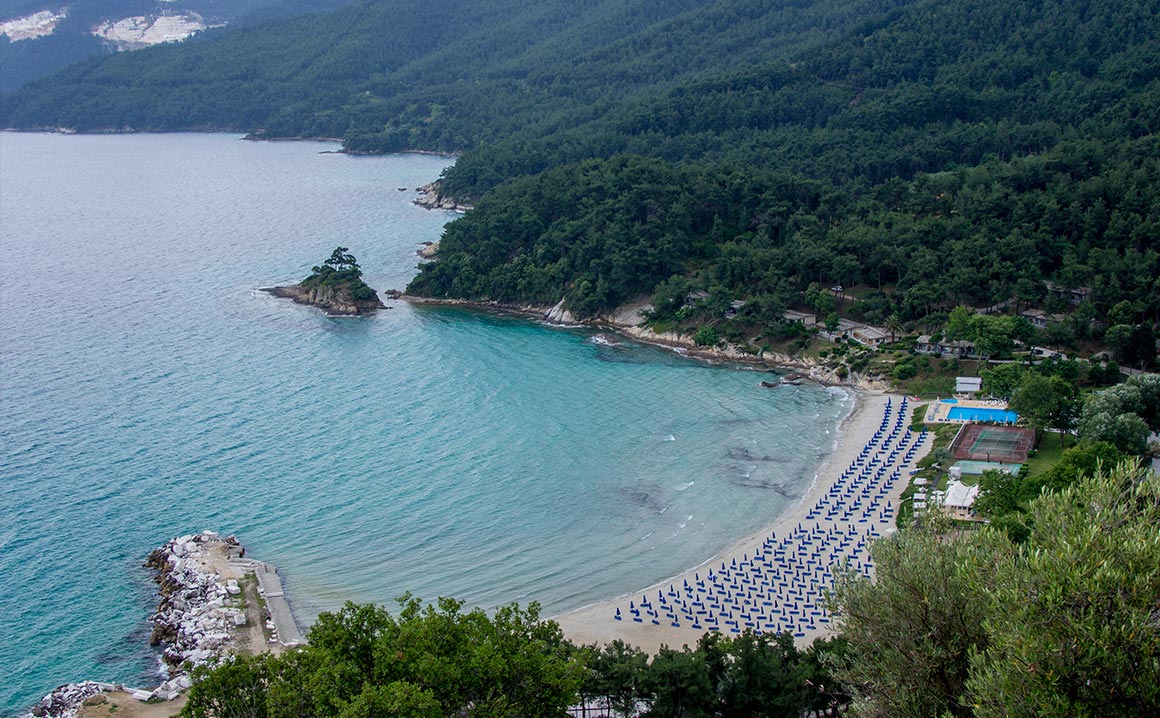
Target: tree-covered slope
[
  {"x": 441, "y": 75},
  {"x": 964, "y": 152},
  {"x": 941, "y": 151},
  {"x": 917, "y": 89}
]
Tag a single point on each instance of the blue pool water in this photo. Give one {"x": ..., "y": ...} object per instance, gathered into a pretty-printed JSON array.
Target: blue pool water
[
  {"x": 995, "y": 416},
  {"x": 147, "y": 390},
  {"x": 950, "y": 401}
]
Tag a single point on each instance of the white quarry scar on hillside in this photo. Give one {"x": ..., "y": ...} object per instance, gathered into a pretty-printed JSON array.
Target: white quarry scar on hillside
[
  {"x": 144, "y": 30},
  {"x": 30, "y": 27}
]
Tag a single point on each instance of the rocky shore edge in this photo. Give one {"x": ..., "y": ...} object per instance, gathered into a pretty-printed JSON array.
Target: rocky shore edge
[
  {"x": 193, "y": 621},
  {"x": 629, "y": 322},
  {"x": 430, "y": 197},
  {"x": 332, "y": 300}
]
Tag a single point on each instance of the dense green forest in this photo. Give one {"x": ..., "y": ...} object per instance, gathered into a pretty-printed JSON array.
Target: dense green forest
[
  {"x": 930, "y": 153},
  {"x": 444, "y": 75},
  {"x": 952, "y": 153}
]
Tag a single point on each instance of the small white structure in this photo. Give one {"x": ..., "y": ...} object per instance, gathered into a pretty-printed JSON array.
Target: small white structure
[
  {"x": 869, "y": 336},
  {"x": 960, "y": 499},
  {"x": 806, "y": 320},
  {"x": 968, "y": 384}
]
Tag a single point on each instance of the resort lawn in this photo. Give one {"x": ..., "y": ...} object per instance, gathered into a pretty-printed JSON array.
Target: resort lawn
[
  {"x": 933, "y": 377},
  {"x": 1047, "y": 453}
]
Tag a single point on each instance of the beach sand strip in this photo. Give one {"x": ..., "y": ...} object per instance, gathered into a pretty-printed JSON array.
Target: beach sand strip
[{"x": 773, "y": 581}]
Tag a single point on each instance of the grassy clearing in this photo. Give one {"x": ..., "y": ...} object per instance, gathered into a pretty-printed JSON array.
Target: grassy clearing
[{"x": 1047, "y": 453}]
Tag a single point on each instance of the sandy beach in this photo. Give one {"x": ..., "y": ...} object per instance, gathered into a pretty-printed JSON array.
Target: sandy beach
[{"x": 597, "y": 623}]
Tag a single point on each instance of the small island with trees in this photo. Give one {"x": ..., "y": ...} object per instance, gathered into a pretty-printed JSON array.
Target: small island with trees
[{"x": 336, "y": 287}]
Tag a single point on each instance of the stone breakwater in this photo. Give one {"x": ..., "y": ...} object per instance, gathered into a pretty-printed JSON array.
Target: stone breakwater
[{"x": 193, "y": 621}]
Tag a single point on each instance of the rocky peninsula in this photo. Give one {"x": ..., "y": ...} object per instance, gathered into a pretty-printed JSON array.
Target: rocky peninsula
[
  {"x": 212, "y": 601},
  {"x": 335, "y": 286}
]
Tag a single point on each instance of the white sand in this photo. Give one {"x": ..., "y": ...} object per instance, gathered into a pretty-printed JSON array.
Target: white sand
[{"x": 596, "y": 623}]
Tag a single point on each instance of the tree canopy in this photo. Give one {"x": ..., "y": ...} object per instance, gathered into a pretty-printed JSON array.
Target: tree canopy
[
  {"x": 340, "y": 269},
  {"x": 1062, "y": 624},
  {"x": 428, "y": 661}
]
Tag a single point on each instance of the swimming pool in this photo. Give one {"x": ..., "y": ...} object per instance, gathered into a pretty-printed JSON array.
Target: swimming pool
[
  {"x": 997, "y": 416},
  {"x": 950, "y": 401}
]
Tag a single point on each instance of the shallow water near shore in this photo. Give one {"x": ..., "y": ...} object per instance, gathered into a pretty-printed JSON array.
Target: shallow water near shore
[{"x": 147, "y": 390}]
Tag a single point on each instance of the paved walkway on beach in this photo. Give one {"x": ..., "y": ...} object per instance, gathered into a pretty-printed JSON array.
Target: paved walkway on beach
[{"x": 271, "y": 588}]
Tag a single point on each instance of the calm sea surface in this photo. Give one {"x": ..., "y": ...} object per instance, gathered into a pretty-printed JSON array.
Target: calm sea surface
[{"x": 147, "y": 390}]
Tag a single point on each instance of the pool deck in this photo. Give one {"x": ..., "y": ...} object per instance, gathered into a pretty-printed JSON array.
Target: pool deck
[{"x": 938, "y": 412}]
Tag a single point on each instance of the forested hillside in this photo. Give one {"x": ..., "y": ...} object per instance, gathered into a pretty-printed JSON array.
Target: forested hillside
[
  {"x": 934, "y": 153},
  {"x": 442, "y": 75},
  {"x": 951, "y": 152}
]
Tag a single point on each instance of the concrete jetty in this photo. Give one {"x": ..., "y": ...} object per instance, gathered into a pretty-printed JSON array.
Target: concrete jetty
[{"x": 270, "y": 586}]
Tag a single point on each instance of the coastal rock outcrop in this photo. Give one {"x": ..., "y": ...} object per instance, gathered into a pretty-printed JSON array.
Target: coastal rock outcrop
[
  {"x": 559, "y": 315},
  {"x": 192, "y": 618},
  {"x": 332, "y": 300},
  {"x": 431, "y": 197},
  {"x": 65, "y": 700}
]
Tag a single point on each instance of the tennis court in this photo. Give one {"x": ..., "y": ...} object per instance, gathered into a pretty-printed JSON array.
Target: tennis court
[{"x": 979, "y": 442}]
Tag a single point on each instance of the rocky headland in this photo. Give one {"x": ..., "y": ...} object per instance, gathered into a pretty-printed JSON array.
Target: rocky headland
[
  {"x": 335, "y": 286},
  {"x": 203, "y": 613},
  {"x": 338, "y": 301}
]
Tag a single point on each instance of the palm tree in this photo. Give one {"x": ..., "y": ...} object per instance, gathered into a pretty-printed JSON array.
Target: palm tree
[{"x": 893, "y": 324}]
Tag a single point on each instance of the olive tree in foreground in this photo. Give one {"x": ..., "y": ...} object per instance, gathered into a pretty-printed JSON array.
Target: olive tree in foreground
[
  {"x": 1074, "y": 616},
  {"x": 913, "y": 629}
]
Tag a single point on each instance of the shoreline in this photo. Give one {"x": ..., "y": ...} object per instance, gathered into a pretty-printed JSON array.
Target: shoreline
[
  {"x": 599, "y": 623},
  {"x": 620, "y": 324}
]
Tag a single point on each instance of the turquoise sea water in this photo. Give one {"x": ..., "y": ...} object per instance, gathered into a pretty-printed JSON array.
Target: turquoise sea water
[{"x": 146, "y": 390}]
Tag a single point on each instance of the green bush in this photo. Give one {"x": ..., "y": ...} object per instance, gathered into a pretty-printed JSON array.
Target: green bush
[{"x": 707, "y": 336}]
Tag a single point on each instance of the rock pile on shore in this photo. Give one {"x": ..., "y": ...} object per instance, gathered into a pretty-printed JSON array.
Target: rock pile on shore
[
  {"x": 192, "y": 616},
  {"x": 64, "y": 701},
  {"x": 192, "y": 621}
]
